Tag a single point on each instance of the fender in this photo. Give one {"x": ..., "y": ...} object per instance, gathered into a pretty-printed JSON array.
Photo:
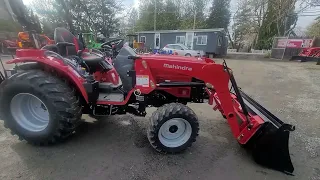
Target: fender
[{"x": 58, "y": 65}]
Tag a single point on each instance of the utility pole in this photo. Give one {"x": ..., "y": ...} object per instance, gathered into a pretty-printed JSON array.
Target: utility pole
[
  {"x": 285, "y": 26},
  {"x": 194, "y": 18},
  {"x": 155, "y": 16}
]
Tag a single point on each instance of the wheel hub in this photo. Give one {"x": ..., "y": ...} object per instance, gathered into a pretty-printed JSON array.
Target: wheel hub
[
  {"x": 29, "y": 112},
  {"x": 173, "y": 129},
  {"x": 175, "y": 132}
]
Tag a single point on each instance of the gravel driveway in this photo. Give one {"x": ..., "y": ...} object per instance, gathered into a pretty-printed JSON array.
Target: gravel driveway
[{"x": 117, "y": 147}]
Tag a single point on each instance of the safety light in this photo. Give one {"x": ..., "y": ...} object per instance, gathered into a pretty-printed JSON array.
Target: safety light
[
  {"x": 20, "y": 44},
  {"x": 23, "y": 36}
]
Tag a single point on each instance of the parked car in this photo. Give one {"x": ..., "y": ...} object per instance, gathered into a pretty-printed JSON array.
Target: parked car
[{"x": 183, "y": 50}]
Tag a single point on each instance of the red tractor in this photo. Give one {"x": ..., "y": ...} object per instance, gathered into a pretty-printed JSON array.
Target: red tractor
[
  {"x": 25, "y": 42},
  {"x": 42, "y": 100},
  {"x": 6, "y": 45}
]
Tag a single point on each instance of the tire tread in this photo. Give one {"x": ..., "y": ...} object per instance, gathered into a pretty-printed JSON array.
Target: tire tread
[
  {"x": 161, "y": 115},
  {"x": 66, "y": 104}
]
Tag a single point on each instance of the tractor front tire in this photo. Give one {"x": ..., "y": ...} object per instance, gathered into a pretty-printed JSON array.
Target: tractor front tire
[
  {"x": 173, "y": 128},
  {"x": 39, "y": 107}
]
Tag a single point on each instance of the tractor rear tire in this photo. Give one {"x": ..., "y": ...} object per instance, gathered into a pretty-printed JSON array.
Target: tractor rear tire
[
  {"x": 39, "y": 107},
  {"x": 173, "y": 128}
]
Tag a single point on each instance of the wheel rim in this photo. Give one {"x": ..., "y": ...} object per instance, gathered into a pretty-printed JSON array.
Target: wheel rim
[
  {"x": 29, "y": 112},
  {"x": 175, "y": 132}
]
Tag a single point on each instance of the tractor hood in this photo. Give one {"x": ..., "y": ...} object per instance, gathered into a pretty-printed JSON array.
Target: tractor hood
[{"x": 170, "y": 57}]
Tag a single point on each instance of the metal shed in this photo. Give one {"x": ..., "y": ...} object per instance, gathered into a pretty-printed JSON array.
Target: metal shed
[{"x": 211, "y": 41}]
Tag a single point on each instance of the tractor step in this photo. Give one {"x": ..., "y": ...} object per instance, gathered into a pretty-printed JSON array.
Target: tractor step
[
  {"x": 114, "y": 97},
  {"x": 107, "y": 86}
]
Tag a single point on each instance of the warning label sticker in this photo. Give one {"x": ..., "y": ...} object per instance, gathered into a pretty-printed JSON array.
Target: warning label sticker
[{"x": 142, "y": 80}]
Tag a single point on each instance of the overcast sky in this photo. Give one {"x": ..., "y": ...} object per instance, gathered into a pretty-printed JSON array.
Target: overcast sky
[{"x": 303, "y": 21}]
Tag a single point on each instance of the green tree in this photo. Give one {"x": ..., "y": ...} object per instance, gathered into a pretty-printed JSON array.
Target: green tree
[
  {"x": 48, "y": 11},
  {"x": 24, "y": 16},
  {"x": 219, "y": 14},
  {"x": 133, "y": 20},
  {"x": 314, "y": 29},
  {"x": 242, "y": 26},
  {"x": 172, "y": 14},
  {"x": 146, "y": 20},
  {"x": 103, "y": 16},
  {"x": 169, "y": 16},
  {"x": 279, "y": 20},
  {"x": 193, "y": 14},
  {"x": 98, "y": 16},
  {"x": 9, "y": 26},
  {"x": 34, "y": 22}
]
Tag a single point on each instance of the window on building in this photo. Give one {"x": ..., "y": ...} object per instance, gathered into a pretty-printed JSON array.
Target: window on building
[
  {"x": 157, "y": 42},
  {"x": 219, "y": 41},
  {"x": 180, "y": 39},
  {"x": 142, "y": 39},
  {"x": 202, "y": 40}
]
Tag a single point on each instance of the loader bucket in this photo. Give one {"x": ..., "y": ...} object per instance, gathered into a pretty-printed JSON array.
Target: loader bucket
[{"x": 270, "y": 143}]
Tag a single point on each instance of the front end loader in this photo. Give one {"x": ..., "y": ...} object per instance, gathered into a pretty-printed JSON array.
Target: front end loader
[
  {"x": 43, "y": 102},
  {"x": 269, "y": 144}
]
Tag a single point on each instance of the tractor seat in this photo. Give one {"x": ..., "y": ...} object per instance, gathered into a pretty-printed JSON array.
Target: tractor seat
[
  {"x": 91, "y": 59},
  {"x": 94, "y": 61}
]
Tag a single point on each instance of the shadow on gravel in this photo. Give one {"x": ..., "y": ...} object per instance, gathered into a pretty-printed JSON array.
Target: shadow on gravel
[{"x": 118, "y": 148}]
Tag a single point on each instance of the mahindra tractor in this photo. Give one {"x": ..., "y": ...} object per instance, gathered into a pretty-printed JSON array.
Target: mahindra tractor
[{"x": 44, "y": 96}]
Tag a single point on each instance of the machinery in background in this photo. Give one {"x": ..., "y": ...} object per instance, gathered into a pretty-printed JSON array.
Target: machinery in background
[
  {"x": 24, "y": 41},
  {"x": 310, "y": 53},
  {"x": 92, "y": 41}
]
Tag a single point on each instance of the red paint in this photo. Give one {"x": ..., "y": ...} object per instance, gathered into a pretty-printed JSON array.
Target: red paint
[
  {"x": 159, "y": 69},
  {"x": 175, "y": 68},
  {"x": 310, "y": 52},
  {"x": 35, "y": 55},
  {"x": 109, "y": 76},
  {"x": 76, "y": 44},
  {"x": 294, "y": 43}
]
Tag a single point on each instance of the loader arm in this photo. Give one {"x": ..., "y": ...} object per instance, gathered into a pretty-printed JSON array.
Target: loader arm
[
  {"x": 212, "y": 74},
  {"x": 248, "y": 120}
]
